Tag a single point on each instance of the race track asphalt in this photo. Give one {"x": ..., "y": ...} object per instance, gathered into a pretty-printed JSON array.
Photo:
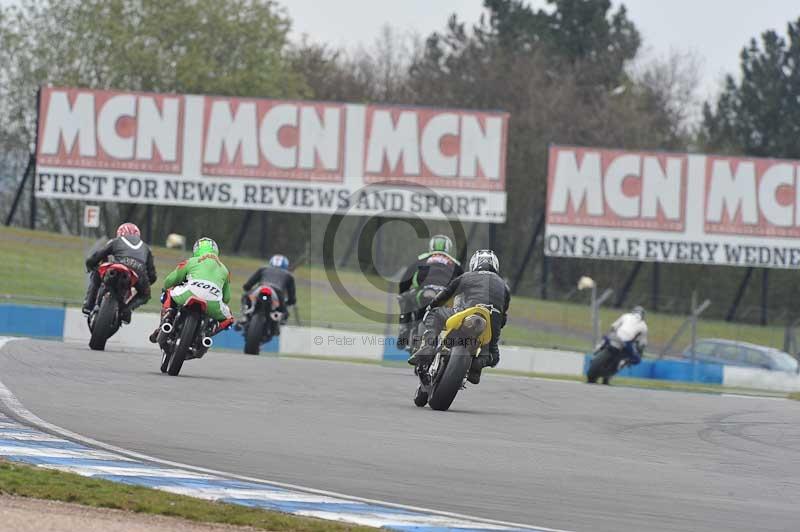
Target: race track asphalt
[{"x": 547, "y": 453}]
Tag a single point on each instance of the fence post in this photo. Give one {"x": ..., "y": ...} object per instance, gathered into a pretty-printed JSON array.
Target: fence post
[{"x": 691, "y": 320}]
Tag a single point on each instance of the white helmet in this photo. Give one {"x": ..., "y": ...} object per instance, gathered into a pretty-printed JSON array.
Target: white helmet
[{"x": 484, "y": 259}]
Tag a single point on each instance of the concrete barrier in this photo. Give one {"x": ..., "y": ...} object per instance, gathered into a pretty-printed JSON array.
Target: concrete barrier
[
  {"x": 318, "y": 341},
  {"x": 760, "y": 379},
  {"x": 548, "y": 361}
]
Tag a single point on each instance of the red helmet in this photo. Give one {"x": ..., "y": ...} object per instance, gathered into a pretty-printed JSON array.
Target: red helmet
[{"x": 128, "y": 229}]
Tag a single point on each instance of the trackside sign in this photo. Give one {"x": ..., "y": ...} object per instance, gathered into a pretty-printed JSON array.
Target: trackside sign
[
  {"x": 296, "y": 156},
  {"x": 673, "y": 207}
]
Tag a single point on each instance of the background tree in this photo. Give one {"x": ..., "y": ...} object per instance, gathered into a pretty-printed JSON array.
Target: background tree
[
  {"x": 760, "y": 114},
  {"x": 565, "y": 76},
  {"x": 228, "y": 47}
]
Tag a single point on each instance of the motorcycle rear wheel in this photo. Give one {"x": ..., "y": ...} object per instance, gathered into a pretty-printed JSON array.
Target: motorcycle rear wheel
[
  {"x": 254, "y": 334},
  {"x": 184, "y": 343},
  {"x": 104, "y": 325},
  {"x": 444, "y": 391}
]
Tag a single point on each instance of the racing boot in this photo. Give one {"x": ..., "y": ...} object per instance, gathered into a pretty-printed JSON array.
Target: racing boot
[
  {"x": 125, "y": 314},
  {"x": 478, "y": 363},
  {"x": 90, "y": 301},
  {"x": 427, "y": 350}
]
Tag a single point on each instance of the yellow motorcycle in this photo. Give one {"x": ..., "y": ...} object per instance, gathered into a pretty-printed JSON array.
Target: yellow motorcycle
[{"x": 465, "y": 333}]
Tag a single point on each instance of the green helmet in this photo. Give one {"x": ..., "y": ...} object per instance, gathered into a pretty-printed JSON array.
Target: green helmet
[
  {"x": 205, "y": 246},
  {"x": 440, "y": 243}
]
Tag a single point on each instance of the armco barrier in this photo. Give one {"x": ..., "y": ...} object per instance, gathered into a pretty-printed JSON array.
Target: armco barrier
[
  {"x": 24, "y": 320},
  {"x": 672, "y": 370},
  {"x": 70, "y": 325},
  {"x": 136, "y": 334}
]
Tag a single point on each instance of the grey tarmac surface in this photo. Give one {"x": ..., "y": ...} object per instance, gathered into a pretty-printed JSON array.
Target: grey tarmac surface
[{"x": 547, "y": 453}]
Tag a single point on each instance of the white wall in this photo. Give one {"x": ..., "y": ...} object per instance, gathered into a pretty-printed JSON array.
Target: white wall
[
  {"x": 331, "y": 343},
  {"x": 760, "y": 379},
  {"x": 133, "y": 335},
  {"x": 548, "y": 361}
]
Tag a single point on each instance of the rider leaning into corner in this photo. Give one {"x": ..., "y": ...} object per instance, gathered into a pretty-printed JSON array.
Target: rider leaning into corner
[
  {"x": 277, "y": 276},
  {"x": 202, "y": 276},
  {"x": 481, "y": 285},
  {"x": 435, "y": 268},
  {"x": 631, "y": 329},
  {"x": 128, "y": 249}
]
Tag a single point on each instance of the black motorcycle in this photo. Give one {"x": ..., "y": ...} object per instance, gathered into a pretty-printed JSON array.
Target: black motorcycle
[
  {"x": 418, "y": 299},
  {"x": 113, "y": 297},
  {"x": 262, "y": 318},
  {"x": 609, "y": 359},
  {"x": 465, "y": 334},
  {"x": 187, "y": 335}
]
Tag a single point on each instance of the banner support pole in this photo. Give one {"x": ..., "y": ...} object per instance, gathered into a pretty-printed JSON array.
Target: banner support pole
[
  {"x": 739, "y": 294},
  {"x": 764, "y": 294},
  {"x": 32, "y": 223},
  {"x": 623, "y": 294},
  {"x": 528, "y": 254},
  {"x": 20, "y": 190},
  {"x": 655, "y": 293}
]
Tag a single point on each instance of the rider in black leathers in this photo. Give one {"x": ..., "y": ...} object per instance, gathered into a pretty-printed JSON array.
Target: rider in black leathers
[
  {"x": 480, "y": 286},
  {"x": 436, "y": 268},
  {"x": 276, "y": 275},
  {"x": 129, "y": 249}
]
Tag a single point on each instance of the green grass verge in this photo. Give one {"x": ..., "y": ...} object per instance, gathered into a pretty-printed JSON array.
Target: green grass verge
[
  {"x": 28, "y": 481},
  {"x": 41, "y": 264},
  {"x": 795, "y": 396}
]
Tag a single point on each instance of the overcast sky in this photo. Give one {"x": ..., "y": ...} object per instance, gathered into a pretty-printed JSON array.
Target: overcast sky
[{"x": 715, "y": 30}]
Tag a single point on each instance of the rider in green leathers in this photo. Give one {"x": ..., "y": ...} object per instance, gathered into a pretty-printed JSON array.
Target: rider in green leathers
[{"x": 202, "y": 276}]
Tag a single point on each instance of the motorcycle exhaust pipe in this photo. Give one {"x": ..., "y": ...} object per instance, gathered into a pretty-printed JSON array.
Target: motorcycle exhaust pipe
[
  {"x": 207, "y": 342},
  {"x": 166, "y": 327},
  {"x": 276, "y": 316}
]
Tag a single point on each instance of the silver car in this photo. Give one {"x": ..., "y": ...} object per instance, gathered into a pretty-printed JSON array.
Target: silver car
[{"x": 744, "y": 354}]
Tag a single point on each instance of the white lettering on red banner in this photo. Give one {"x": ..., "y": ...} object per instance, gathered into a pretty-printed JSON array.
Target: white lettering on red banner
[
  {"x": 262, "y": 154},
  {"x": 673, "y": 207}
]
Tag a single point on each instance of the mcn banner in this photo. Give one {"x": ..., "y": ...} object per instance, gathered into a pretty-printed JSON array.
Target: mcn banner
[
  {"x": 673, "y": 207},
  {"x": 296, "y": 156}
]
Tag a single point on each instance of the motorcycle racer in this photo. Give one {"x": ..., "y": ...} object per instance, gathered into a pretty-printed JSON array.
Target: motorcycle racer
[
  {"x": 275, "y": 274},
  {"x": 129, "y": 249},
  {"x": 204, "y": 276},
  {"x": 436, "y": 268},
  {"x": 481, "y": 285}
]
